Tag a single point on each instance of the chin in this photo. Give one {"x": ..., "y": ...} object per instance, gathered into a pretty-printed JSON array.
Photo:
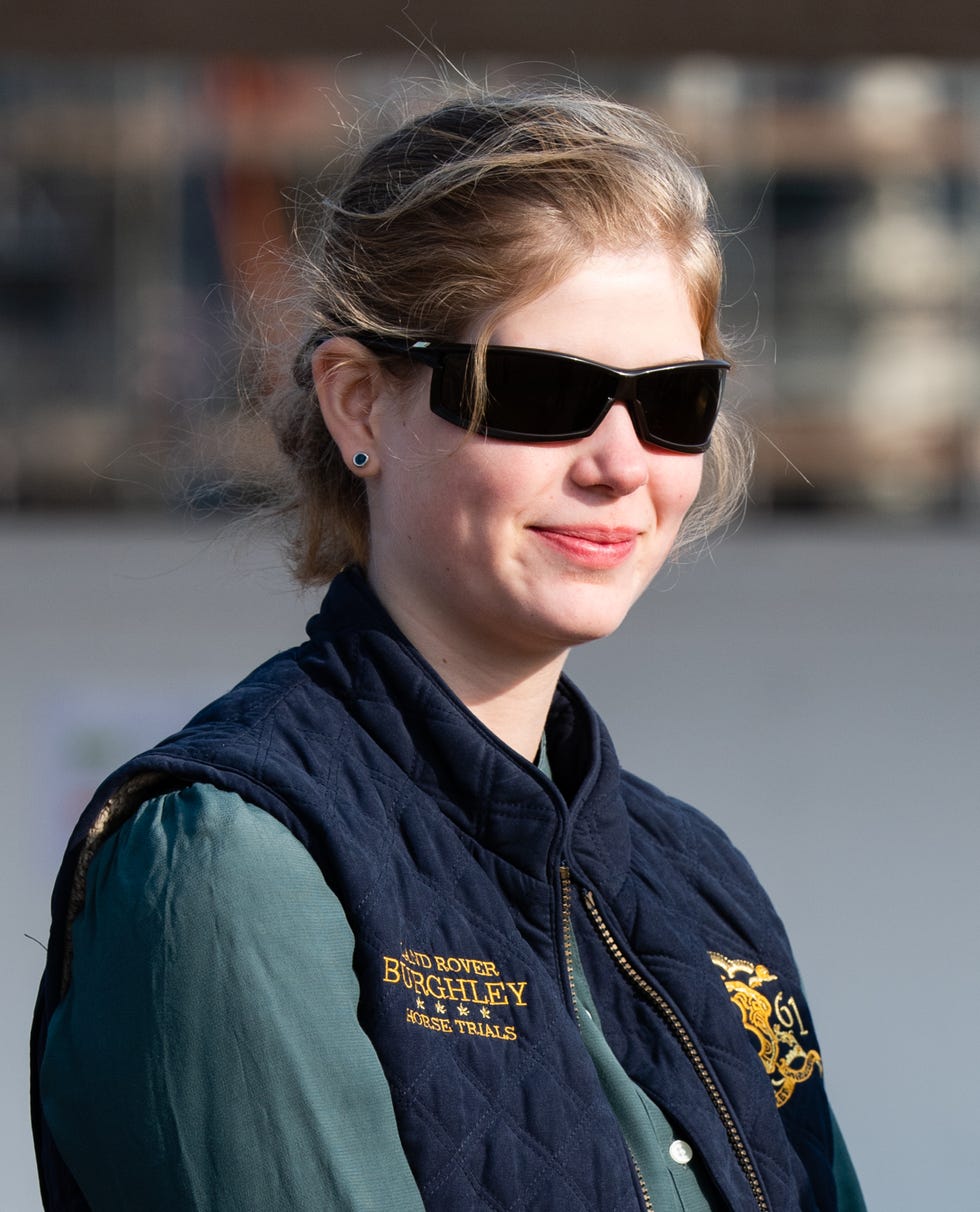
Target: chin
[
  {"x": 599, "y": 614},
  {"x": 584, "y": 629}
]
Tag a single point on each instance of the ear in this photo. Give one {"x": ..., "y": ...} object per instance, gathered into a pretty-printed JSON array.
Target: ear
[{"x": 348, "y": 382}]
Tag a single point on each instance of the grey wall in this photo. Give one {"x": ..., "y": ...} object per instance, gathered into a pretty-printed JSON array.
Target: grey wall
[{"x": 815, "y": 690}]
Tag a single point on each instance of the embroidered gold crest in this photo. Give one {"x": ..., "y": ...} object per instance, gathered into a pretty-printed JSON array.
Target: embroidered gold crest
[{"x": 777, "y": 1024}]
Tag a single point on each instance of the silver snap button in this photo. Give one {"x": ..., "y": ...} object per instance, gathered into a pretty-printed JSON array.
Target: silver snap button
[{"x": 681, "y": 1152}]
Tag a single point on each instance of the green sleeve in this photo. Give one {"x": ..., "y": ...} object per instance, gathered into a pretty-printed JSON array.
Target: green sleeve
[
  {"x": 849, "y": 1196},
  {"x": 207, "y": 1054}
]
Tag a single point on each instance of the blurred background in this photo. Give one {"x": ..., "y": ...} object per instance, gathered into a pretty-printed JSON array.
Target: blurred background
[
  {"x": 811, "y": 683},
  {"x": 141, "y": 200}
]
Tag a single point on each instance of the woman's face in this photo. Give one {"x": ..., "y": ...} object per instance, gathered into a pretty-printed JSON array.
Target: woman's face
[{"x": 491, "y": 550}]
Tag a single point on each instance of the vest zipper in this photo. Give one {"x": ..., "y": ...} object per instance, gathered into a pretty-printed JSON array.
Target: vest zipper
[
  {"x": 566, "y": 935},
  {"x": 670, "y": 1017},
  {"x": 566, "y": 922}
]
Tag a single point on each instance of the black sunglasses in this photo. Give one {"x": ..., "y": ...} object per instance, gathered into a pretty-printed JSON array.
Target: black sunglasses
[{"x": 537, "y": 396}]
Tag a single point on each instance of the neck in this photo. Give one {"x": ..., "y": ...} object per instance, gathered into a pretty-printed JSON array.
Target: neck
[
  {"x": 514, "y": 709},
  {"x": 509, "y": 691}
]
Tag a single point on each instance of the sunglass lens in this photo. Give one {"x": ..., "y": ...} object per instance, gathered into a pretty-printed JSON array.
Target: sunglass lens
[
  {"x": 529, "y": 395},
  {"x": 680, "y": 405},
  {"x": 544, "y": 396}
]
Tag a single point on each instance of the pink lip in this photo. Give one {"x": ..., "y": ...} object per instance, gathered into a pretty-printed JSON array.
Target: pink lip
[{"x": 594, "y": 547}]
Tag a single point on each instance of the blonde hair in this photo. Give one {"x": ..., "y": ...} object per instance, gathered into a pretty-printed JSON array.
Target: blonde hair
[{"x": 456, "y": 217}]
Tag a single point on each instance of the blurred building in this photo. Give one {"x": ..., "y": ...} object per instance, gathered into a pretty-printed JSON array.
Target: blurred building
[{"x": 143, "y": 201}]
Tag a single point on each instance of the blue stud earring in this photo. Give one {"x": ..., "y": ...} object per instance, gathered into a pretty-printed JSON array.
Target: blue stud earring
[{"x": 361, "y": 459}]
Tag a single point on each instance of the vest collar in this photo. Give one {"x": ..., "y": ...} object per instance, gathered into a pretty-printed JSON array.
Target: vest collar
[{"x": 505, "y": 803}]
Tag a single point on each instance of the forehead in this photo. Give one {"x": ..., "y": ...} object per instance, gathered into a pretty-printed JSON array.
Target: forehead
[{"x": 620, "y": 308}]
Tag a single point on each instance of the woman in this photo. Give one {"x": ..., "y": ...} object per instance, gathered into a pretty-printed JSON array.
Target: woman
[{"x": 387, "y": 926}]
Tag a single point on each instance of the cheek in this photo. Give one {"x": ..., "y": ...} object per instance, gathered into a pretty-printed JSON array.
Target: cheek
[
  {"x": 695, "y": 475},
  {"x": 676, "y": 481},
  {"x": 492, "y": 481},
  {"x": 446, "y": 504}
]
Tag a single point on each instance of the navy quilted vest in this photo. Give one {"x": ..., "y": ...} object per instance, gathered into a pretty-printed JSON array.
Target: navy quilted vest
[{"x": 460, "y": 867}]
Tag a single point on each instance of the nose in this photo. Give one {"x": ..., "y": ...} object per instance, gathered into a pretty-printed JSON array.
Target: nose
[{"x": 613, "y": 457}]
